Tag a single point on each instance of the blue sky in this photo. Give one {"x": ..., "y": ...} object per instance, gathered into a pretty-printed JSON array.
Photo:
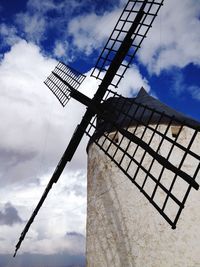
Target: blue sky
[{"x": 35, "y": 129}]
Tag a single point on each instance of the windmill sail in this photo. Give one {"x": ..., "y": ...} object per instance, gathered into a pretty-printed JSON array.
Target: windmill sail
[
  {"x": 61, "y": 90},
  {"x": 131, "y": 29},
  {"x": 127, "y": 137}
]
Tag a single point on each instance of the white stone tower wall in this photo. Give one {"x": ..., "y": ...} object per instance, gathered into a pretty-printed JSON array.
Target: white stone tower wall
[{"x": 124, "y": 229}]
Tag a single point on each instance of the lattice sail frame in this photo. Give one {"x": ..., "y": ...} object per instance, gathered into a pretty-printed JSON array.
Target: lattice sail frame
[
  {"x": 164, "y": 188},
  {"x": 122, "y": 27},
  {"x": 60, "y": 89}
]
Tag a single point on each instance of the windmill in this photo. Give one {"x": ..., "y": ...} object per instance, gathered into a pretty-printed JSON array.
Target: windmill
[{"x": 108, "y": 112}]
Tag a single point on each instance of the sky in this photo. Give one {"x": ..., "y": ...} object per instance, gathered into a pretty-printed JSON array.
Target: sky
[{"x": 35, "y": 129}]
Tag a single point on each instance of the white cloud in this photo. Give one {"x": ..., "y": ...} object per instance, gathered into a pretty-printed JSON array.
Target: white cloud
[
  {"x": 174, "y": 38},
  {"x": 63, "y": 211},
  {"x": 42, "y": 6},
  {"x": 9, "y": 35},
  {"x": 195, "y": 92},
  {"x": 35, "y": 22},
  {"x": 90, "y": 31},
  {"x": 90, "y": 85},
  {"x": 60, "y": 49},
  {"x": 23, "y": 99},
  {"x": 33, "y": 26},
  {"x": 9, "y": 215},
  {"x": 179, "y": 85},
  {"x": 133, "y": 82}
]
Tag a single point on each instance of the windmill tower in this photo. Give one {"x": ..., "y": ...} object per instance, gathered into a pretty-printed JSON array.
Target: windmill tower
[
  {"x": 122, "y": 228},
  {"x": 144, "y": 140}
]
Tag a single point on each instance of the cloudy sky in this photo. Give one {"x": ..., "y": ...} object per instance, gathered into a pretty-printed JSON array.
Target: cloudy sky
[{"x": 35, "y": 129}]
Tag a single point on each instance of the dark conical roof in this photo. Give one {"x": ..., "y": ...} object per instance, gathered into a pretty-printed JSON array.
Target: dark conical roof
[
  {"x": 142, "y": 92},
  {"x": 140, "y": 110},
  {"x": 134, "y": 107},
  {"x": 144, "y": 98}
]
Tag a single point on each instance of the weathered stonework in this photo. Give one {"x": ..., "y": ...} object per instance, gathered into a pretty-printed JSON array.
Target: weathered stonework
[{"x": 124, "y": 229}]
